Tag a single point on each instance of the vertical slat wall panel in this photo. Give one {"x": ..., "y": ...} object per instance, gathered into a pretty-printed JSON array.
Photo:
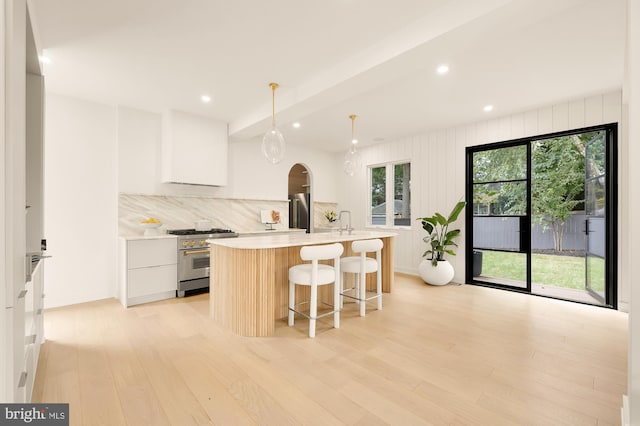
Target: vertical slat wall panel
[
  {"x": 493, "y": 130},
  {"x": 576, "y": 114},
  {"x": 482, "y": 135},
  {"x": 530, "y": 123},
  {"x": 517, "y": 126},
  {"x": 504, "y": 129},
  {"x": 545, "y": 120},
  {"x": 611, "y": 107},
  {"x": 560, "y": 117},
  {"x": 593, "y": 110}
]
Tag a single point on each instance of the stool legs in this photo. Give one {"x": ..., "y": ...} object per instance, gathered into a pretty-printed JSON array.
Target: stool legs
[
  {"x": 379, "y": 289},
  {"x": 292, "y": 301},
  {"x": 313, "y": 311},
  {"x": 342, "y": 291},
  {"x": 360, "y": 290},
  {"x": 337, "y": 306},
  {"x": 363, "y": 293}
]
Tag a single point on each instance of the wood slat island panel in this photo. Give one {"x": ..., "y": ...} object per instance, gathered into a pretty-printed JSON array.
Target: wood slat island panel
[{"x": 249, "y": 277}]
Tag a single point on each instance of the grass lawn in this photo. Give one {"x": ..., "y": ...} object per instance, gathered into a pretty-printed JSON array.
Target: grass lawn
[{"x": 548, "y": 269}]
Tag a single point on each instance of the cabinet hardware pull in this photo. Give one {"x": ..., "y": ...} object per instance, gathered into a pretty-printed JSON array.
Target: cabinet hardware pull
[
  {"x": 188, "y": 252},
  {"x": 23, "y": 379}
]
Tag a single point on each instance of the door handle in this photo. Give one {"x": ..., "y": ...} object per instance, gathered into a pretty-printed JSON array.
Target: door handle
[{"x": 188, "y": 252}]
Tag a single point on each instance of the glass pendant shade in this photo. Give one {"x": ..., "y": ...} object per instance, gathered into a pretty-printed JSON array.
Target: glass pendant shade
[
  {"x": 273, "y": 145},
  {"x": 352, "y": 161}
]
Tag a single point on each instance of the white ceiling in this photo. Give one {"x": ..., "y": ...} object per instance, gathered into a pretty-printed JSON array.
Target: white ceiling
[{"x": 332, "y": 58}]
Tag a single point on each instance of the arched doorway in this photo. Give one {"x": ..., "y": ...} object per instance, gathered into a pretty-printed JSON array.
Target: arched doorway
[{"x": 300, "y": 208}]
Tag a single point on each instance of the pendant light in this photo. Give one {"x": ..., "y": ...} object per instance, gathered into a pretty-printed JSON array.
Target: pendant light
[
  {"x": 273, "y": 145},
  {"x": 352, "y": 158}
]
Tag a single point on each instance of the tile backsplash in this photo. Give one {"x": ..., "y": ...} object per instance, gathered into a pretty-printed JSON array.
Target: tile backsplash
[{"x": 178, "y": 212}]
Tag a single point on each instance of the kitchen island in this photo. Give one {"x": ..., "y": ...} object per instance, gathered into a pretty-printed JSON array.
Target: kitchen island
[{"x": 249, "y": 286}]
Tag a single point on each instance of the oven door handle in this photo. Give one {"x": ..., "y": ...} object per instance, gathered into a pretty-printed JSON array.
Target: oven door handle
[{"x": 188, "y": 252}]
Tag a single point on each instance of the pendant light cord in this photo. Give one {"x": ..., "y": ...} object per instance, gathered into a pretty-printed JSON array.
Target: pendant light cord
[
  {"x": 273, "y": 86},
  {"x": 353, "y": 124}
]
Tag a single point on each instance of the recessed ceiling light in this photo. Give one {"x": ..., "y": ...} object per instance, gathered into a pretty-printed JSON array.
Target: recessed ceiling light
[
  {"x": 44, "y": 59},
  {"x": 296, "y": 125},
  {"x": 205, "y": 98},
  {"x": 443, "y": 69},
  {"x": 488, "y": 108}
]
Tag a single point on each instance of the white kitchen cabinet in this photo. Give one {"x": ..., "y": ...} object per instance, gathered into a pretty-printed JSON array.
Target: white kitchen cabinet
[
  {"x": 34, "y": 194},
  {"x": 194, "y": 149},
  {"x": 148, "y": 269},
  {"x": 29, "y": 335}
]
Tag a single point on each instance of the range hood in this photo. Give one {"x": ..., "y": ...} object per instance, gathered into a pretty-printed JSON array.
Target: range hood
[{"x": 194, "y": 149}]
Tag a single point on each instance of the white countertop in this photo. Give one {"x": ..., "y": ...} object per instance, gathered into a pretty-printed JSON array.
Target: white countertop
[
  {"x": 296, "y": 239},
  {"x": 276, "y": 231},
  {"x": 242, "y": 234},
  {"x": 147, "y": 237}
]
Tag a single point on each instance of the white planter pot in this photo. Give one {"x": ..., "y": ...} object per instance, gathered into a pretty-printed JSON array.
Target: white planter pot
[{"x": 436, "y": 275}]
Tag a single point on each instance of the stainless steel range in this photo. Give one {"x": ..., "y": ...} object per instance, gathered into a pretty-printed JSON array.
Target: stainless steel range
[{"x": 193, "y": 257}]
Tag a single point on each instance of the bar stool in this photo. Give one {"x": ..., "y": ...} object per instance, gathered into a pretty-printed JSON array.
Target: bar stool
[
  {"x": 362, "y": 265},
  {"x": 314, "y": 274}
]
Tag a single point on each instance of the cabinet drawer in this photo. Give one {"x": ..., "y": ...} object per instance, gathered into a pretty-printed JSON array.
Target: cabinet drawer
[
  {"x": 152, "y": 252},
  {"x": 146, "y": 281}
]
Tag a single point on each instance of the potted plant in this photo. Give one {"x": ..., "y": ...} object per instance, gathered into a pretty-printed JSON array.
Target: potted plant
[{"x": 434, "y": 269}]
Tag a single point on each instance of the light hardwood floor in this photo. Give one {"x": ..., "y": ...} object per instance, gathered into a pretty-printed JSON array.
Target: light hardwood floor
[{"x": 434, "y": 355}]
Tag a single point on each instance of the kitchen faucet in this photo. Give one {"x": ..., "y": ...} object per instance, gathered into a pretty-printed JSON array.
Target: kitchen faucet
[{"x": 348, "y": 228}]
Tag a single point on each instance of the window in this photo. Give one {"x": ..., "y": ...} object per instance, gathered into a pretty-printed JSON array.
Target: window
[{"x": 390, "y": 181}]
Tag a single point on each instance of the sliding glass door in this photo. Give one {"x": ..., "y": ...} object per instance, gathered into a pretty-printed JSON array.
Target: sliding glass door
[
  {"x": 541, "y": 215},
  {"x": 596, "y": 215},
  {"x": 500, "y": 210}
]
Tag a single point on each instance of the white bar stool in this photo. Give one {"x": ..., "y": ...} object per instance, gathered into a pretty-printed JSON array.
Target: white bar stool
[
  {"x": 362, "y": 265},
  {"x": 314, "y": 274}
]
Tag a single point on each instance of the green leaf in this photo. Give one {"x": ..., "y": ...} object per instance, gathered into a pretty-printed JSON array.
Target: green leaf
[
  {"x": 440, "y": 220},
  {"x": 427, "y": 227},
  {"x": 453, "y": 216},
  {"x": 452, "y": 234}
]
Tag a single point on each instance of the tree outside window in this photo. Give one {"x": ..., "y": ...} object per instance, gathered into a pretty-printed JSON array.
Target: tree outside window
[{"x": 390, "y": 181}]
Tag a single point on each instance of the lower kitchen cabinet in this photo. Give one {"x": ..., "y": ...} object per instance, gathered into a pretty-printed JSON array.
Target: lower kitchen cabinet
[
  {"x": 148, "y": 269},
  {"x": 28, "y": 320}
]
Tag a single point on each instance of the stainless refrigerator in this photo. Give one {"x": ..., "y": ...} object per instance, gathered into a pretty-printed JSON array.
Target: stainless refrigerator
[{"x": 299, "y": 215}]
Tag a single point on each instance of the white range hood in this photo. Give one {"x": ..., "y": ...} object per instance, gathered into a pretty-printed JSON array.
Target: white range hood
[{"x": 194, "y": 149}]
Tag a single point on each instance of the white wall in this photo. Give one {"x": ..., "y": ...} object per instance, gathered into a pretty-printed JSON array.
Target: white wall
[
  {"x": 81, "y": 201},
  {"x": 251, "y": 176},
  {"x": 438, "y": 168},
  {"x": 632, "y": 191},
  {"x": 5, "y": 277}
]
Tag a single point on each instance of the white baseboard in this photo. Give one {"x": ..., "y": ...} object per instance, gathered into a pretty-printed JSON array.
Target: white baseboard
[
  {"x": 408, "y": 271},
  {"x": 623, "y": 306},
  {"x": 624, "y": 411}
]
